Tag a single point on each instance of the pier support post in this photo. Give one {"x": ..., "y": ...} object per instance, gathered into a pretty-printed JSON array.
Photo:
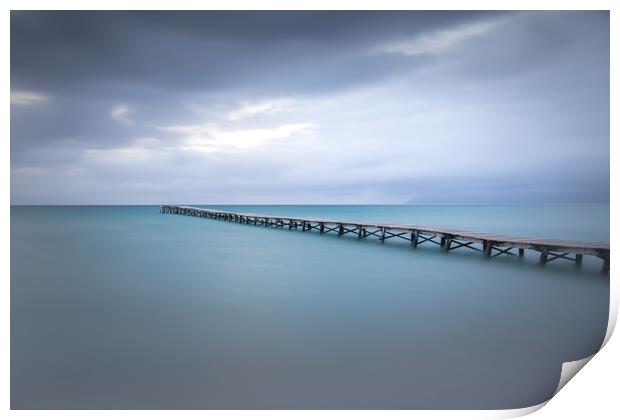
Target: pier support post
[
  {"x": 543, "y": 257},
  {"x": 521, "y": 252},
  {"x": 443, "y": 242},
  {"x": 605, "y": 268},
  {"x": 382, "y": 234},
  {"x": 578, "y": 259},
  {"x": 414, "y": 238},
  {"x": 488, "y": 248},
  {"x": 340, "y": 230},
  {"x": 447, "y": 244},
  {"x": 322, "y": 227},
  {"x": 359, "y": 232}
]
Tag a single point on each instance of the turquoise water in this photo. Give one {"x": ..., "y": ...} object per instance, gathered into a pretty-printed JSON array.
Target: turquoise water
[{"x": 122, "y": 307}]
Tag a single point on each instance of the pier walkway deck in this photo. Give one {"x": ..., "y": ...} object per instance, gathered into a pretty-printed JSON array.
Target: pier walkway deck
[{"x": 490, "y": 244}]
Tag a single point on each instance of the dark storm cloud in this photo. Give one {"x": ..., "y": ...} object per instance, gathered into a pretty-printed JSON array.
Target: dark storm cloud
[
  {"x": 211, "y": 50},
  {"x": 142, "y": 106},
  {"x": 90, "y": 61}
]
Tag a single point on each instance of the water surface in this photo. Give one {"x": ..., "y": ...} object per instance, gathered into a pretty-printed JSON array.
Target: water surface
[{"x": 122, "y": 307}]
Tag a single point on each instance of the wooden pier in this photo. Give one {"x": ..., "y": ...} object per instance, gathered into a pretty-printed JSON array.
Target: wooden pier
[{"x": 491, "y": 245}]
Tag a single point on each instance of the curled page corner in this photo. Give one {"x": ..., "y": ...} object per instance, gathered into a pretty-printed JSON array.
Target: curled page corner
[
  {"x": 519, "y": 412},
  {"x": 570, "y": 369}
]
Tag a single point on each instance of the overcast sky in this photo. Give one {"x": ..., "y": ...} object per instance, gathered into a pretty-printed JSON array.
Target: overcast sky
[{"x": 307, "y": 107}]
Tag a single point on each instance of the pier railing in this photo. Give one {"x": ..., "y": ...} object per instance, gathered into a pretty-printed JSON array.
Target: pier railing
[{"x": 491, "y": 245}]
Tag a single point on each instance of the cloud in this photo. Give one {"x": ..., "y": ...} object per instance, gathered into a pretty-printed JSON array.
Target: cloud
[
  {"x": 205, "y": 138},
  {"x": 121, "y": 114},
  {"x": 298, "y": 49},
  {"x": 30, "y": 170},
  {"x": 264, "y": 107},
  {"x": 25, "y": 97},
  {"x": 210, "y": 138},
  {"x": 139, "y": 150},
  {"x": 438, "y": 41}
]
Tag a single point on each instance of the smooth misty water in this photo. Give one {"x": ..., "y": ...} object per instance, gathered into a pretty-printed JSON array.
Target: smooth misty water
[{"x": 123, "y": 307}]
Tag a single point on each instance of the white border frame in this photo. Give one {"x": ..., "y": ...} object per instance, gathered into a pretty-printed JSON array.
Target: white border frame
[{"x": 592, "y": 395}]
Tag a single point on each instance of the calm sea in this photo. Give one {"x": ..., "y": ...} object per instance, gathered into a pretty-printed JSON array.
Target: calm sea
[{"x": 121, "y": 307}]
